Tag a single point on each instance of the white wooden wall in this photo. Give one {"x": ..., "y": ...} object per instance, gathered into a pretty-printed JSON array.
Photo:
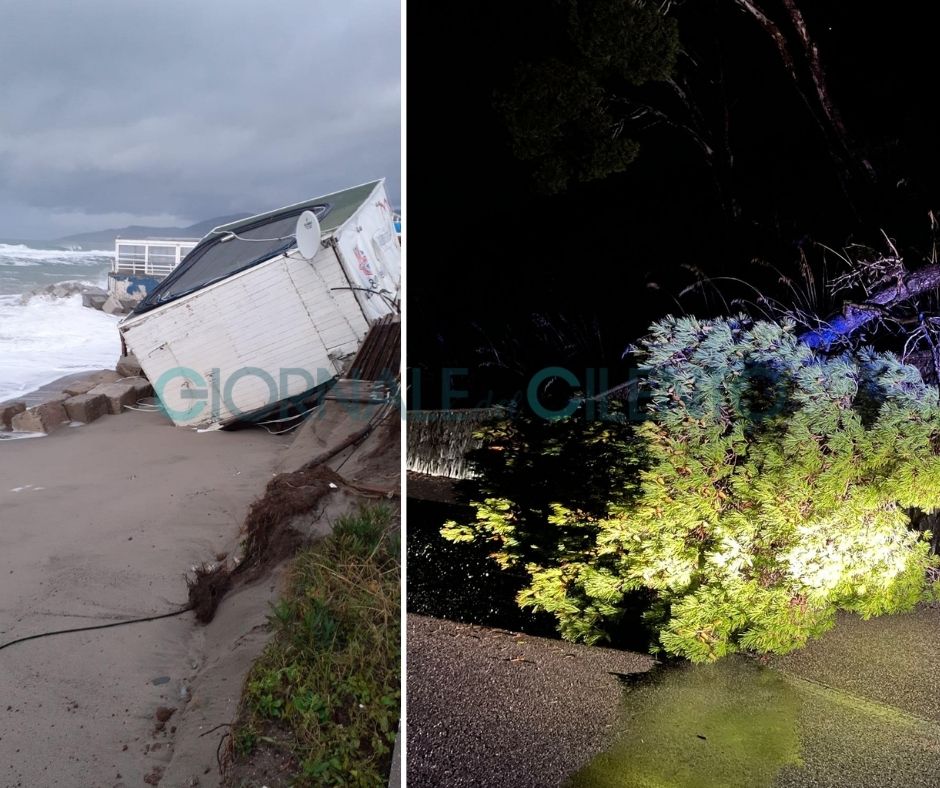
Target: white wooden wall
[{"x": 279, "y": 315}]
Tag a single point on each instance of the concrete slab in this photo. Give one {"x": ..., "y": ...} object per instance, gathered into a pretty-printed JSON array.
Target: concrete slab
[
  {"x": 86, "y": 408},
  {"x": 126, "y": 391},
  {"x": 87, "y": 382},
  {"x": 47, "y": 417}
]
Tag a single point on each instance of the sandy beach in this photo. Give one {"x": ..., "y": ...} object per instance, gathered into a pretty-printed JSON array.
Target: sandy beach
[{"x": 100, "y": 523}]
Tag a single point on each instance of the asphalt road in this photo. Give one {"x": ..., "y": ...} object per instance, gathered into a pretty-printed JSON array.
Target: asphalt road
[
  {"x": 492, "y": 708},
  {"x": 859, "y": 708}
]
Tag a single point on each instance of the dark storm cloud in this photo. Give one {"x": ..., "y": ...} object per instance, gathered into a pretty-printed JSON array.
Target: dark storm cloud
[{"x": 124, "y": 111}]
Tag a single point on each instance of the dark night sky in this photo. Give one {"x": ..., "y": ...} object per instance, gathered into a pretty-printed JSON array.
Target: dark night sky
[{"x": 591, "y": 253}]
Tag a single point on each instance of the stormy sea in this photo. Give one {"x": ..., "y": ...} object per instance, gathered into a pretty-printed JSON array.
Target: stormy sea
[{"x": 43, "y": 337}]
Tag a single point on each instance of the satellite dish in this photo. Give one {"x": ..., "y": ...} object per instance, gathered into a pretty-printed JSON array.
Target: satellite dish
[{"x": 308, "y": 235}]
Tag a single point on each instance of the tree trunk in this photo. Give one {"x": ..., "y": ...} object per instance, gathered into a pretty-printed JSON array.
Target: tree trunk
[
  {"x": 823, "y": 110},
  {"x": 855, "y": 316},
  {"x": 820, "y": 83}
]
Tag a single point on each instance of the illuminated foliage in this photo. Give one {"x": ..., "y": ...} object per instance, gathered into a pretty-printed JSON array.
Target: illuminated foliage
[{"x": 771, "y": 494}]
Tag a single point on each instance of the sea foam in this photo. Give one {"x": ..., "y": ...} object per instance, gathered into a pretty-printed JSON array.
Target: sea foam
[
  {"x": 47, "y": 338},
  {"x": 22, "y": 255}
]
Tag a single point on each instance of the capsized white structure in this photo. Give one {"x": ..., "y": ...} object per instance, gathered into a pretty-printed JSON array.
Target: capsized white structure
[{"x": 245, "y": 322}]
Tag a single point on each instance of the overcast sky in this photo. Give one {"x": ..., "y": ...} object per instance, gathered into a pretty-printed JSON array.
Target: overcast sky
[{"x": 168, "y": 112}]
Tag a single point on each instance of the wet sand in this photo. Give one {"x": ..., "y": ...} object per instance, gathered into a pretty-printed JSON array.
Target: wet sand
[{"x": 99, "y": 523}]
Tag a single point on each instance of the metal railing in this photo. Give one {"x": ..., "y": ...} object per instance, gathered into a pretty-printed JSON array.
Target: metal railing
[{"x": 150, "y": 257}]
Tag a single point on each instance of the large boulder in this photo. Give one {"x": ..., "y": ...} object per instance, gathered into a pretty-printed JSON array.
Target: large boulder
[
  {"x": 113, "y": 307},
  {"x": 128, "y": 367},
  {"x": 94, "y": 297},
  {"x": 7, "y": 411},
  {"x": 41, "y": 418},
  {"x": 80, "y": 387},
  {"x": 86, "y": 384},
  {"x": 55, "y": 290}
]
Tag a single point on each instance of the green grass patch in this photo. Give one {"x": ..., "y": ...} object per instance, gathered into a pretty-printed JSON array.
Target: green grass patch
[{"x": 329, "y": 682}]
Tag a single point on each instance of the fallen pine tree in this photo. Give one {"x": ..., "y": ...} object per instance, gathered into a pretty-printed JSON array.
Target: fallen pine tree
[
  {"x": 768, "y": 489},
  {"x": 853, "y": 317}
]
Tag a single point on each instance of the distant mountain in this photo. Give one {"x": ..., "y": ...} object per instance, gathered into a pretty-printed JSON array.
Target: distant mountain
[{"x": 104, "y": 239}]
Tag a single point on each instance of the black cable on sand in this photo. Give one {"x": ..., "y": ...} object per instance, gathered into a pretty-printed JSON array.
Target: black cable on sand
[
  {"x": 270, "y": 538},
  {"x": 120, "y": 623}
]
